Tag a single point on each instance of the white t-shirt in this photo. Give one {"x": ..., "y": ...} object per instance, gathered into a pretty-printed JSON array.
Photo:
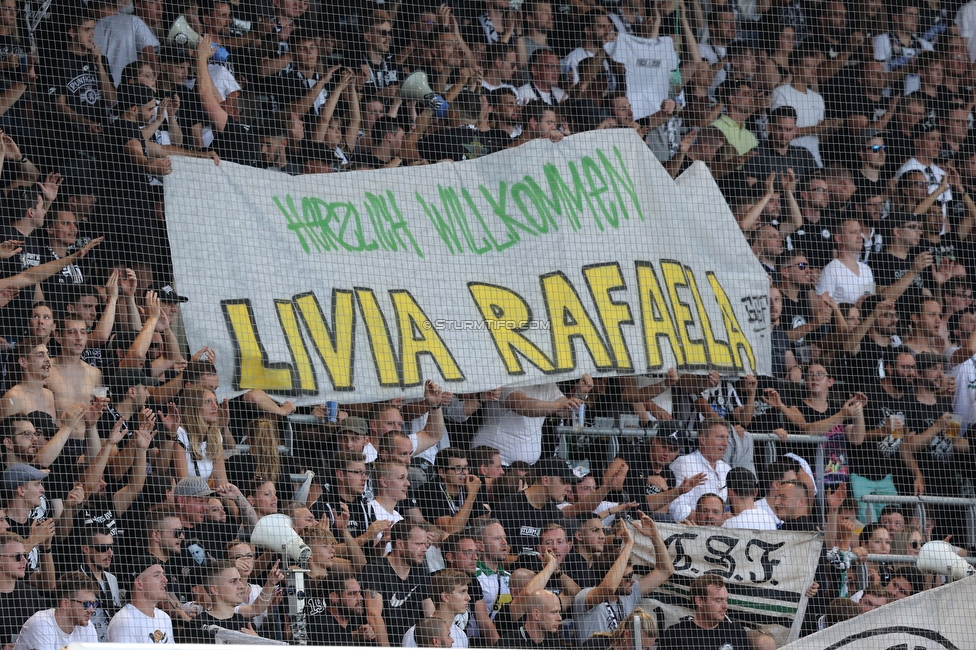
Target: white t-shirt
[
  {"x": 121, "y": 38},
  {"x": 516, "y": 437},
  {"x": 810, "y": 111},
  {"x": 966, "y": 22},
  {"x": 837, "y": 281},
  {"x": 129, "y": 625},
  {"x": 648, "y": 63},
  {"x": 202, "y": 468},
  {"x": 964, "y": 401},
  {"x": 459, "y": 636},
  {"x": 753, "y": 519},
  {"x": 41, "y": 632}
]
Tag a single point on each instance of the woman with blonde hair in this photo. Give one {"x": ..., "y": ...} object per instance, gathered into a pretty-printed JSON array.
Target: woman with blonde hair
[
  {"x": 200, "y": 425},
  {"x": 622, "y": 638}
]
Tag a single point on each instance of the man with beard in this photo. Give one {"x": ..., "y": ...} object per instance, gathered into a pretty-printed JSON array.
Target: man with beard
[
  {"x": 402, "y": 580},
  {"x": 68, "y": 622},
  {"x": 141, "y": 620},
  {"x": 870, "y": 343},
  {"x": 98, "y": 550},
  {"x": 601, "y": 608},
  {"x": 344, "y": 621},
  {"x": 874, "y": 459}
]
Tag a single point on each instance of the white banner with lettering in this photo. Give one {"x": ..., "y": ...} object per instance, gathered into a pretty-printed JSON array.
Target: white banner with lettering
[
  {"x": 767, "y": 573},
  {"x": 940, "y": 619},
  {"x": 526, "y": 266}
]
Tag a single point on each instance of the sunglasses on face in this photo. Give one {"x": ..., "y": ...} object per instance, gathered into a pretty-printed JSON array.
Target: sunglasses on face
[
  {"x": 87, "y": 604},
  {"x": 875, "y": 148},
  {"x": 101, "y": 548}
]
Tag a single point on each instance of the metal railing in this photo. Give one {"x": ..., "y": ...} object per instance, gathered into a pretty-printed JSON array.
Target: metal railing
[
  {"x": 615, "y": 433},
  {"x": 921, "y": 501}
]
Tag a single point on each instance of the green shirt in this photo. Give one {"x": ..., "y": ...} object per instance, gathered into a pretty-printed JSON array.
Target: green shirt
[{"x": 739, "y": 137}]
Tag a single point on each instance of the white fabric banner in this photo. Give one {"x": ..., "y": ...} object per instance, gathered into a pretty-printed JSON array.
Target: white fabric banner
[
  {"x": 526, "y": 266},
  {"x": 940, "y": 619},
  {"x": 767, "y": 573}
]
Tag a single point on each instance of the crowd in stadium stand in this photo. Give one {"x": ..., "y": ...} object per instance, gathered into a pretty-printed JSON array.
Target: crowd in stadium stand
[{"x": 838, "y": 133}]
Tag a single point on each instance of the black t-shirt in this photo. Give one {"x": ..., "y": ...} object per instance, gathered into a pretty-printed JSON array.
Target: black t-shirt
[
  {"x": 686, "y": 635},
  {"x": 938, "y": 461},
  {"x": 636, "y": 483},
  {"x": 876, "y": 458},
  {"x": 888, "y": 269},
  {"x": 15, "y": 315},
  {"x": 835, "y": 448},
  {"x": 576, "y": 567},
  {"x": 366, "y": 160},
  {"x": 519, "y": 638},
  {"x": 403, "y": 600},
  {"x": 16, "y": 607},
  {"x": 524, "y": 524},
  {"x": 864, "y": 368},
  {"x": 193, "y": 631},
  {"x": 324, "y": 630},
  {"x": 461, "y": 143},
  {"x": 76, "y": 79},
  {"x": 360, "y": 514},
  {"x": 435, "y": 502},
  {"x": 815, "y": 242},
  {"x": 238, "y": 143}
]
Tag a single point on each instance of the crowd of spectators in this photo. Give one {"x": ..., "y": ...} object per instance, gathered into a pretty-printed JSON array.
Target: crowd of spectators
[{"x": 838, "y": 133}]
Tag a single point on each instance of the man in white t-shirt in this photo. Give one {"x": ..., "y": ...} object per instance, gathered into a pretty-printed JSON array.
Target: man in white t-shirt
[
  {"x": 141, "y": 621},
  {"x": 846, "y": 278},
  {"x": 122, "y": 38},
  {"x": 69, "y": 621},
  {"x": 513, "y": 425},
  {"x": 743, "y": 488}
]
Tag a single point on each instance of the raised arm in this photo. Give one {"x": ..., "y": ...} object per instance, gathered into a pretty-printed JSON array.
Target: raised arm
[{"x": 209, "y": 96}]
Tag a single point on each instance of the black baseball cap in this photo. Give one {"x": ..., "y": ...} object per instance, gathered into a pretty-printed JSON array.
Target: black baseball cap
[
  {"x": 669, "y": 433},
  {"x": 556, "y": 467},
  {"x": 167, "y": 293}
]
